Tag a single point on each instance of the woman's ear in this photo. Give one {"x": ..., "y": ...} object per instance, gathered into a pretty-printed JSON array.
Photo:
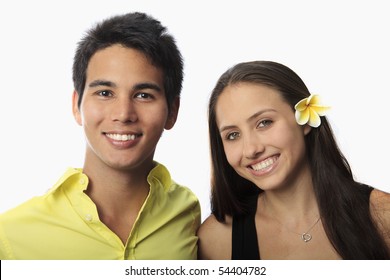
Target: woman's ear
[
  {"x": 306, "y": 129},
  {"x": 172, "y": 117},
  {"x": 75, "y": 108}
]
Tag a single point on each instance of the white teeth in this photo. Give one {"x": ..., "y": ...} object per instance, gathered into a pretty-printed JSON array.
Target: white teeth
[
  {"x": 121, "y": 137},
  {"x": 264, "y": 164}
]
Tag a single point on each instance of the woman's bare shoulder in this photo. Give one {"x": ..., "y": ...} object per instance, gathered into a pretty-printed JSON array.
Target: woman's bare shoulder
[
  {"x": 380, "y": 211},
  {"x": 380, "y": 202},
  {"x": 215, "y": 239}
]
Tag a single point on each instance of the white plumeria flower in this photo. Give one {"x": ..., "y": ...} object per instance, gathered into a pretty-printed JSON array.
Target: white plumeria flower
[{"x": 309, "y": 110}]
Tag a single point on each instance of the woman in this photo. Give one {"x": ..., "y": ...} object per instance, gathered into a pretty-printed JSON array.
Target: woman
[{"x": 281, "y": 188}]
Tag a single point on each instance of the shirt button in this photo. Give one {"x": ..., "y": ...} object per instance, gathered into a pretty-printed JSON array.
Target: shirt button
[
  {"x": 88, "y": 217},
  {"x": 82, "y": 181}
]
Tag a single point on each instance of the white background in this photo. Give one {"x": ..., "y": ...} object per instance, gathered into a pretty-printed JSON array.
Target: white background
[{"x": 339, "y": 48}]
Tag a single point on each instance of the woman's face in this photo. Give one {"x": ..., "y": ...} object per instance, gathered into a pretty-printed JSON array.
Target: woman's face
[{"x": 262, "y": 141}]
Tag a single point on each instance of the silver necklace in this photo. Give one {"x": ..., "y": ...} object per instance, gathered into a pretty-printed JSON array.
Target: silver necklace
[{"x": 305, "y": 236}]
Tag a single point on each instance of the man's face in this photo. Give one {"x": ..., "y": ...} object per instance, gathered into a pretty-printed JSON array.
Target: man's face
[{"x": 123, "y": 109}]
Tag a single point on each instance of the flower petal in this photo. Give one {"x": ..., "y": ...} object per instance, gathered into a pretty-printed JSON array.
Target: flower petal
[
  {"x": 314, "y": 99},
  {"x": 302, "y": 116},
  {"x": 311, "y": 99},
  {"x": 301, "y": 105},
  {"x": 321, "y": 110},
  {"x": 314, "y": 119}
]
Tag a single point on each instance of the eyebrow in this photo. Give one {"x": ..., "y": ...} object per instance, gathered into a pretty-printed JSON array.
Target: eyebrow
[
  {"x": 147, "y": 86},
  {"x": 250, "y": 119},
  {"x": 99, "y": 83},
  {"x": 139, "y": 86}
]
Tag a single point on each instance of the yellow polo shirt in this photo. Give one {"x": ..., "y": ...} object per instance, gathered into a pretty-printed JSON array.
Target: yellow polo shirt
[{"x": 64, "y": 224}]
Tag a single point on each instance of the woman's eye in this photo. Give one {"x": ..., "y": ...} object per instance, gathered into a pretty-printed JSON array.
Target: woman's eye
[
  {"x": 264, "y": 123},
  {"x": 232, "y": 136}
]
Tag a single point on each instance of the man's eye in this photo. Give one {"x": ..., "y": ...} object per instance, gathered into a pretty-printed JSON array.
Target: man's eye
[
  {"x": 143, "y": 95},
  {"x": 104, "y": 93}
]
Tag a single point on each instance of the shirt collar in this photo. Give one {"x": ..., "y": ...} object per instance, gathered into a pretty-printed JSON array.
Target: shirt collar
[
  {"x": 159, "y": 173},
  {"x": 70, "y": 172}
]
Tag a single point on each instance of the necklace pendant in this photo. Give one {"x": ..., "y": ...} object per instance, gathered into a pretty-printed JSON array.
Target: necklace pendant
[{"x": 306, "y": 237}]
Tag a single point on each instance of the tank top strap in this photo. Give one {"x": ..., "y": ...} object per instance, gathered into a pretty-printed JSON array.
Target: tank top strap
[{"x": 244, "y": 235}]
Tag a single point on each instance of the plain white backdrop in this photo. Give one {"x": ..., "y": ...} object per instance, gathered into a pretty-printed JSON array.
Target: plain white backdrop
[{"x": 339, "y": 48}]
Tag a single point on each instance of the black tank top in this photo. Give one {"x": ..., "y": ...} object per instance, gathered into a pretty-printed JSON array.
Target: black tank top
[{"x": 244, "y": 235}]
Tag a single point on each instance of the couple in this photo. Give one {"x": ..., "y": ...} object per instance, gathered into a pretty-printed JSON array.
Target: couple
[{"x": 281, "y": 189}]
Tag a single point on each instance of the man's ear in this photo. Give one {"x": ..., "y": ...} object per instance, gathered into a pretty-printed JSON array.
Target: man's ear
[
  {"x": 75, "y": 108},
  {"x": 174, "y": 111}
]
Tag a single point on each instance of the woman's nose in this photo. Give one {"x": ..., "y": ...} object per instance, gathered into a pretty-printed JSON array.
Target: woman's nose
[{"x": 252, "y": 146}]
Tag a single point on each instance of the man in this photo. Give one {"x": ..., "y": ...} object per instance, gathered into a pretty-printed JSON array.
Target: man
[{"x": 127, "y": 75}]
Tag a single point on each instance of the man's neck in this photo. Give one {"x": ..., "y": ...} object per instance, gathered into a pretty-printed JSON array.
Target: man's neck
[
  {"x": 118, "y": 196},
  {"x": 112, "y": 185}
]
